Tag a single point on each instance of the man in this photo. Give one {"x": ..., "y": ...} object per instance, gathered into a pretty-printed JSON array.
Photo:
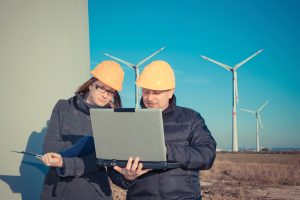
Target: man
[{"x": 188, "y": 141}]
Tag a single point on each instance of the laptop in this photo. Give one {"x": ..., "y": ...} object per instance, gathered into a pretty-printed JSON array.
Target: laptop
[{"x": 128, "y": 132}]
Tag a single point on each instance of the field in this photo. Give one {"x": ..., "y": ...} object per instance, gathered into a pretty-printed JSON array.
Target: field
[
  {"x": 253, "y": 176},
  {"x": 248, "y": 176}
]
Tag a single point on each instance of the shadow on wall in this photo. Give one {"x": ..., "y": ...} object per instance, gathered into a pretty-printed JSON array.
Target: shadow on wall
[{"x": 30, "y": 182}]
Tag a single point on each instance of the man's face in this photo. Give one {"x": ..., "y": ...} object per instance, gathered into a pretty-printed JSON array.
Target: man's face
[{"x": 157, "y": 98}]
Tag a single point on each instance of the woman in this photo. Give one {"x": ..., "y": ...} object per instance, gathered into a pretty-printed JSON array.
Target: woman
[{"x": 80, "y": 177}]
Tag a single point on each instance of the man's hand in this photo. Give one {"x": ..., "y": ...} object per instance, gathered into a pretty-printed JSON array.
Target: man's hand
[
  {"x": 132, "y": 170},
  {"x": 52, "y": 160}
]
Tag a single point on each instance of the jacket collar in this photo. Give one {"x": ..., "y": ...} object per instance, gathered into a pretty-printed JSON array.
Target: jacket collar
[
  {"x": 171, "y": 107},
  {"x": 80, "y": 103}
]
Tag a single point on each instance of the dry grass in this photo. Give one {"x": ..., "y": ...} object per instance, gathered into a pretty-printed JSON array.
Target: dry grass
[
  {"x": 272, "y": 174},
  {"x": 245, "y": 175},
  {"x": 248, "y": 176},
  {"x": 271, "y": 169},
  {"x": 118, "y": 193}
]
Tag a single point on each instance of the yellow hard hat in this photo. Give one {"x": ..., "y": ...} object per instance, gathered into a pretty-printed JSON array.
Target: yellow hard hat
[
  {"x": 110, "y": 73},
  {"x": 158, "y": 75}
]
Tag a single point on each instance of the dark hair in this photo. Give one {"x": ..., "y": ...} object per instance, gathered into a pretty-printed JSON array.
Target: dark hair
[{"x": 84, "y": 90}]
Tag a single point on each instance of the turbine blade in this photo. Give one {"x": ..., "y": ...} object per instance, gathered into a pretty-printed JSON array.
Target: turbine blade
[
  {"x": 137, "y": 72},
  {"x": 246, "y": 110},
  {"x": 122, "y": 61},
  {"x": 246, "y": 60},
  {"x": 140, "y": 63},
  {"x": 218, "y": 63},
  {"x": 236, "y": 86},
  {"x": 259, "y": 120},
  {"x": 263, "y": 106}
]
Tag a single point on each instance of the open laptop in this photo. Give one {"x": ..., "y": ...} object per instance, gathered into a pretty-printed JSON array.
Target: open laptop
[{"x": 128, "y": 132}]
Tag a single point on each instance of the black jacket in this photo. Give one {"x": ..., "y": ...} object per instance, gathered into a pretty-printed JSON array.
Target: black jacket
[
  {"x": 188, "y": 142},
  {"x": 80, "y": 178}
]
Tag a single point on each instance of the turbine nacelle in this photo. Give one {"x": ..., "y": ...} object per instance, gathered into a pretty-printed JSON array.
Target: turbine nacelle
[{"x": 257, "y": 112}]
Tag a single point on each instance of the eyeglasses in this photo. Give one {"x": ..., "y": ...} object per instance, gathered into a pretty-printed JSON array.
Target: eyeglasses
[{"x": 103, "y": 90}]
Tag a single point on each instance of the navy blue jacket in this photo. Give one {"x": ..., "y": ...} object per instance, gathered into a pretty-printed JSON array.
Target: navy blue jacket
[
  {"x": 80, "y": 178},
  {"x": 189, "y": 142}
]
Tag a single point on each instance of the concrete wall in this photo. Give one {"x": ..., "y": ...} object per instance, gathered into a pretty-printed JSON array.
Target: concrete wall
[{"x": 44, "y": 56}]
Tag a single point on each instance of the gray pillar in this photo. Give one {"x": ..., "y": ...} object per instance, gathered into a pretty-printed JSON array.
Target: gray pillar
[{"x": 44, "y": 56}]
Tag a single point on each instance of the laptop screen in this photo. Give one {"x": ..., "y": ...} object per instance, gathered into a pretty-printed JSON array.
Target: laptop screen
[{"x": 122, "y": 133}]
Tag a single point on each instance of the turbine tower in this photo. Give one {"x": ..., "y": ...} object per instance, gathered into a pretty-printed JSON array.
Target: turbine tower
[
  {"x": 233, "y": 69},
  {"x": 258, "y": 120},
  {"x": 136, "y": 69}
]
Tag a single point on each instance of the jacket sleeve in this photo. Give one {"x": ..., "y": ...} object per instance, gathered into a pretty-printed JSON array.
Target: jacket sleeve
[
  {"x": 73, "y": 166},
  {"x": 118, "y": 179},
  {"x": 78, "y": 166},
  {"x": 79, "y": 159},
  {"x": 53, "y": 141},
  {"x": 200, "y": 149}
]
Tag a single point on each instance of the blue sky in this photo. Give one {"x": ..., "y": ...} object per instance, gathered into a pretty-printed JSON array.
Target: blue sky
[{"x": 226, "y": 31}]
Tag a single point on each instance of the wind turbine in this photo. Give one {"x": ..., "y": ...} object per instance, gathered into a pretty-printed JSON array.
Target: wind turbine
[
  {"x": 234, "y": 96},
  {"x": 136, "y": 69},
  {"x": 258, "y": 120}
]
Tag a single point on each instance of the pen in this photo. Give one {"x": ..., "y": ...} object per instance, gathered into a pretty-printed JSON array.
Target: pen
[{"x": 28, "y": 153}]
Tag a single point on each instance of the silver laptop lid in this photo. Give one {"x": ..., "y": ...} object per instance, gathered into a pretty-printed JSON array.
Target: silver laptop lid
[{"x": 137, "y": 133}]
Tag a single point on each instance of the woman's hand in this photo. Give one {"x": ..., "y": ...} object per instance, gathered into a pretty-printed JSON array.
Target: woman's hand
[
  {"x": 52, "y": 160},
  {"x": 132, "y": 170}
]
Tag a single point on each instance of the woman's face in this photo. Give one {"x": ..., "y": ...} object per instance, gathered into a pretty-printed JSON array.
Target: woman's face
[{"x": 100, "y": 94}]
